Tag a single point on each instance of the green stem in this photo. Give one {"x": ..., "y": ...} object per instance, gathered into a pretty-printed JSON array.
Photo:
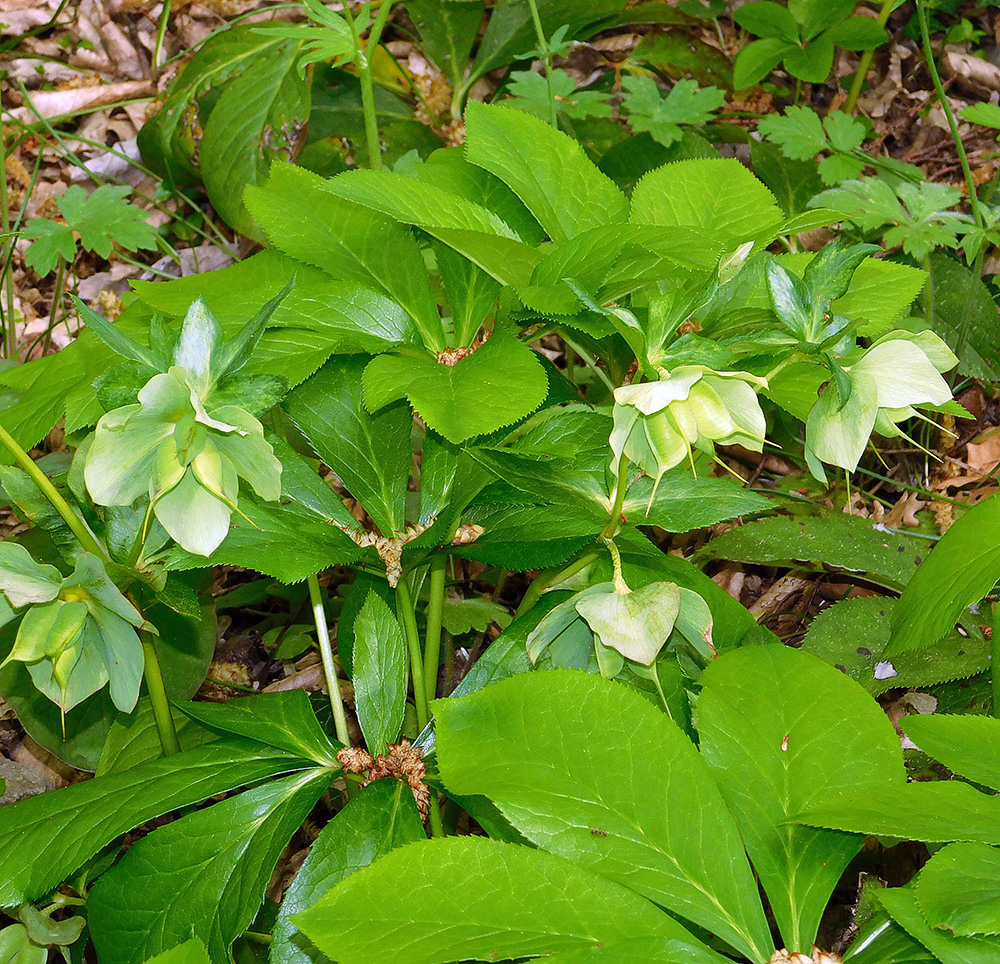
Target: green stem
[
  {"x": 543, "y": 582},
  {"x": 434, "y": 816},
  {"x": 77, "y": 526},
  {"x": 158, "y": 696},
  {"x": 616, "y": 561},
  {"x": 547, "y": 60},
  {"x": 795, "y": 356},
  {"x": 9, "y": 332},
  {"x": 363, "y": 61},
  {"x": 866, "y": 62},
  {"x": 408, "y": 620},
  {"x": 161, "y": 32},
  {"x": 970, "y": 184},
  {"x": 435, "y": 609},
  {"x": 589, "y": 360},
  {"x": 329, "y": 666},
  {"x": 615, "y": 519}
]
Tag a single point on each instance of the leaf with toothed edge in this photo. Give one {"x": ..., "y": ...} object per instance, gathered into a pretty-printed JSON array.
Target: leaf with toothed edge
[{"x": 494, "y": 386}]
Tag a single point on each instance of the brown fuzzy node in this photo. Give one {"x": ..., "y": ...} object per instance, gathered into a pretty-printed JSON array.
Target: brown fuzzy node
[{"x": 401, "y": 762}]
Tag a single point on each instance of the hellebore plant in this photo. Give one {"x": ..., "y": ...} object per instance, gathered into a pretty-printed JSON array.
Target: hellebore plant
[
  {"x": 79, "y": 632},
  {"x": 187, "y": 443},
  {"x": 657, "y": 423}
]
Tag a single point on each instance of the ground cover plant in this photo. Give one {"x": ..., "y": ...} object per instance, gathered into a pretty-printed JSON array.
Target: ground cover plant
[{"x": 540, "y": 474}]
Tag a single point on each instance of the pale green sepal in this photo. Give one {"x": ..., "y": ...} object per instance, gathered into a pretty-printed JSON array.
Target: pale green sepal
[
  {"x": 636, "y": 624},
  {"x": 250, "y": 454},
  {"x": 838, "y": 435},
  {"x": 123, "y": 455},
  {"x": 121, "y": 653},
  {"x": 194, "y": 518},
  {"x": 99, "y": 591},
  {"x": 931, "y": 344},
  {"x": 193, "y": 350},
  {"x": 23, "y": 580},
  {"x": 694, "y": 623},
  {"x": 903, "y": 375}
]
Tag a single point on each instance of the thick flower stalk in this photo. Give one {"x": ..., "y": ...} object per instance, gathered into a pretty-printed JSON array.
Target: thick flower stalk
[{"x": 656, "y": 424}]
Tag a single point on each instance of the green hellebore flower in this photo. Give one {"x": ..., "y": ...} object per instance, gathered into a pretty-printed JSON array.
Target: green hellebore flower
[
  {"x": 657, "y": 423},
  {"x": 887, "y": 382},
  {"x": 186, "y": 459}
]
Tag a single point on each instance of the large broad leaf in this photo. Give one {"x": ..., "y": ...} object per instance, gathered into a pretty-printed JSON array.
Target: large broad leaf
[
  {"x": 285, "y": 721},
  {"x": 69, "y": 826},
  {"x": 257, "y": 119},
  {"x": 903, "y": 904},
  {"x": 465, "y": 225},
  {"x": 447, "y": 32},
  {"x": 134, "y": 739},
  {"x": 683, "y": 502},
  {"x": 640, "y": 950},
  {"x": 959, "y": 889},
  {"x": 963, "y": 567},
  {"x": 318, "y": 316},
  {"x": 380, "y": 673},
  {"x": 545, "y": 168},
  {"x": 370, "y": 453},
  {"x": 381, "y": 817},
  {"x": 965, "y": 316},
  {"x": 496, "y": 385},
  {"x": 610, "y": 783},
  {"x": 284, "y": 541},
  {"x": 719, "y": 196},
  {"x": 347, "y": 241},
  {"x": 834, "y": 539},
  {"x": 516, "y": 902},
  {"x": 201, "y": 876},
  {"x": 968, "y": 745},
  {"x": 772, "y": 760},
  {"x": 853, "y": 633},
  {"x": 933, "y": 812}
]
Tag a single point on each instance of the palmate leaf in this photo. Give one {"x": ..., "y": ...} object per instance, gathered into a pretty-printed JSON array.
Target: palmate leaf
[
  {"x": 202, "y": 876},
  {"x": 494, "y": 386},
  {"x": 611, "y": 785},
  {"x": 516, "y": 902},
  {"x": 545, "y": 168},
  {"x": 772, "y": 764},
  {"x": 104, "y": 216}
]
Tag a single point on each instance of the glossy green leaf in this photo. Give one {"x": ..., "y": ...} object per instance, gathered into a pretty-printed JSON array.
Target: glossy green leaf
[
  {"x": 965, "y": 316},
  {"x": 74, "y": 823},
  {"x": 683, "y": 501},
  {"x": 853, "y": 633},
  {"x": 773, "y": 760},
  {"x": 934, "y": 812},
  {"x": 903, "y": 904},
  {"x": 380, "y": 673},
  {"x": 347, "y": 241},
  {"x": 134, "y": 739},
  {"x": 545, "y": 168},
  {"x": 447, "y": 32},
  {"x": 968, "y": 745},
  {"x": 255, "y": 120},
  {"x": 369, "y": 452},
  {"x": 517, "y": 902},
  {"x": 642, "y": 817},
  {"x": 641, "y": 950},
  {"x": 192, "y": 951},
  {"x": 285, "y": 721},
  {"x": 202, "y": 876},
  {"x": 959, "y": 890},
  {"x": 963, "y": 567},
  {"x": 380, "y": 818},
  {"x": 720, "y": 198},
  {"x": 834, "y": 539},
  {"x": 495, "y": 386}
]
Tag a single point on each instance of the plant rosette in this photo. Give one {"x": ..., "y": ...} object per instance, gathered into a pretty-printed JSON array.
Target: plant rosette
[
  {"x": 182, "y": 448},
  {"x": 79, "y": 631},
  {"x": 657, "y": 423},
  {"x": 886, "y": 383}
]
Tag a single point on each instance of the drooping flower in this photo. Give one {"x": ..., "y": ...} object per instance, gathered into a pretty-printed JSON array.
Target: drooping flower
[
  {"x": 656, "y": 424},
  {"x": 886, "y": 383}
]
